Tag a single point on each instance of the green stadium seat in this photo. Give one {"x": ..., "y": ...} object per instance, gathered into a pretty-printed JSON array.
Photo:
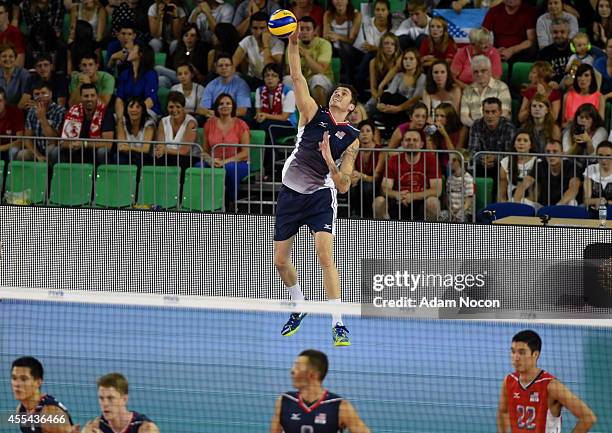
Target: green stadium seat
[
  {"x": 520, "y": 74},
  {"x": 71, "y": 184},
  {"x": 504, "y": 75},
  {"x": 484, "y": 192},
  {"x": 162, "y": 95},
  {"x": 397, "y": 6},
  {"x": 1, "y": 175},
  {"x": 160, "y": 59},
  {"x": 335, "y": 64},
  {"x": 27, "y": 175},
  {"x": 66, "y": 27},
  {"x": 608, "y": 115},
  {"x": 198, "y": 187},
  {"x": 116, "y": 185},
  {"x": 255, "y": 153},
  {"x": 160, "y": 186}
]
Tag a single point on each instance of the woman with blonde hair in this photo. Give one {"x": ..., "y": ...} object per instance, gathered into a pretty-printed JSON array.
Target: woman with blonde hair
[
  {"x": 382, "y": 67},
  {"x": 481, "y": 44},
  {"x": 438, "y": 45},
  {"x": 540, "y": 75}
]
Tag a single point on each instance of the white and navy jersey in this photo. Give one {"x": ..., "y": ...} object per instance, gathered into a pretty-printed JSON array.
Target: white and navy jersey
[
  {"x": 45, "y": 400},
  {"x": 305, "y": 170},
  {"x": 137, "y": 420},
  {"x": 322, "y": 416}
]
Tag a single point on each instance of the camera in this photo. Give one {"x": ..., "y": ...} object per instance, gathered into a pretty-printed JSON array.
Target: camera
[
  {"x": 430, "y": 129},
  {"x": 579, "y": 130}
]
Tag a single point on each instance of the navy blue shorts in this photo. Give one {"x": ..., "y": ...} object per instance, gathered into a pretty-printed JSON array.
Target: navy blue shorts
[{"x": 294, "y": 209}]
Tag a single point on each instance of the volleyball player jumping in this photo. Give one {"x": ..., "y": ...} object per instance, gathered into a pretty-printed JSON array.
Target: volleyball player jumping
[{"x": 311, "y": 179}]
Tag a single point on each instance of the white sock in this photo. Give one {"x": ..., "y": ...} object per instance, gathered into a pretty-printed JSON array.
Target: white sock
[
  {"x": 296, "y": 292},
  {"x": 336, "y": 317}
]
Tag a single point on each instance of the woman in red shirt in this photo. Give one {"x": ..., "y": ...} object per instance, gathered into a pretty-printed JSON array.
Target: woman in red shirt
[
  {"x": 365, "y": 177},
  {"x": 438, "y": 45},
  {"x": 226, "y": 128}
]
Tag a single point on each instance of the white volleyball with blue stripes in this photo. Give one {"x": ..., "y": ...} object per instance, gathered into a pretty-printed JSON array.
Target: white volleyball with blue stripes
[{"x": 282, "y": 23}]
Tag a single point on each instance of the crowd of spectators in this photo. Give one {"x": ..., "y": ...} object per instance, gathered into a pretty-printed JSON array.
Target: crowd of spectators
[{"x": 141, "y": 70}]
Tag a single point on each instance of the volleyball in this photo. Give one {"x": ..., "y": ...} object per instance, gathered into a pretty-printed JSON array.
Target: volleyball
[{"x": 282, "y": 23}]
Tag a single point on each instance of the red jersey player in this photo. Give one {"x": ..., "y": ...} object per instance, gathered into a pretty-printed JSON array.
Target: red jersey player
[{"x": 531, "y": 399}]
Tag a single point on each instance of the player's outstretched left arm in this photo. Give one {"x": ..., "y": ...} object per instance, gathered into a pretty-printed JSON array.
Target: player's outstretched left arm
[
  {"x": 349, "y": 419},
  {"x": 586, "y": 418},
  {"x": 341, "y": 176}
]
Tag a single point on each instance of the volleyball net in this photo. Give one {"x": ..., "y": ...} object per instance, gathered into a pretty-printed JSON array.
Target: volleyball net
[{"x": 206, "y": 364}]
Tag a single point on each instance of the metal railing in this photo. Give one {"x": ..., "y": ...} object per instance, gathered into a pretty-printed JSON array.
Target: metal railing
[
  {"x": 257, "y": 190},
  {"x": 252, "y": 193},
  {"x": 532, "y": 196}
]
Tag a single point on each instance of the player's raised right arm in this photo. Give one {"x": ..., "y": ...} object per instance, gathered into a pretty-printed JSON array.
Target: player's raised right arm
[
  {"x": 503, "y": 422},
  {"x": 305, "y": 104},
  {"x": 275, "y": 426}
]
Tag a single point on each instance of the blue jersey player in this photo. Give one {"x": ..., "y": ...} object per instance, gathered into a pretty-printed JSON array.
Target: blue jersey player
[
  {"x": 37, "y": 412},
  {"x": 320, "y": 165},
  {"x": 313, "y": 409},
  {"x": 113, "y": 398}
]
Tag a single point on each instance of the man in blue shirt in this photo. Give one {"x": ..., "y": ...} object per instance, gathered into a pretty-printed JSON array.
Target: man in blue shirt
[{"x": 227, "y": 82}]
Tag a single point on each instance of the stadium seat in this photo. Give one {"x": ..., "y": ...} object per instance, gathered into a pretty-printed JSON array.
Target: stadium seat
[
  {"x": 1, "y": 175},
  {"x": 608, "y": 119},
  {"x": 564, "y": 211},
  {"x": 115, "y": 185},
  {"x": 336, "y": 69},
  {"x": 71, "y": 184},
  {"x": 507, "y": 209},
  {"x": 198, "y": 187},
  {"x": 66, "y": 26},
  {"x": 255, "y": 153},
  {"x": 160, "y": 186},
  {"x": 162, "y": 95},
  {"x": 160, "y": 59},
  {"x": 504, "y": 75},
  {"x": 484, "y": 192},
  {"x": 520, "y": 74},
  {"x": 397, "y": 6},
  {"x": 27, "y": 175}
]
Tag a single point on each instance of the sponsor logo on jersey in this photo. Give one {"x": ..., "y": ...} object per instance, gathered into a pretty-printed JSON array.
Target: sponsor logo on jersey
[
  {"x": 517, "y": 395},
  {"x": 295, "y": 417},
  {"x": 321, "y": 419},
  {"x": 322, "y": 124}
]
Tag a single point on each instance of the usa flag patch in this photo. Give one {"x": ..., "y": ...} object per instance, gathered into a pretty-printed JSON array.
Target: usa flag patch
[
  {"x": 340, "y": 134},
  {"x": 321, "y": 419}
]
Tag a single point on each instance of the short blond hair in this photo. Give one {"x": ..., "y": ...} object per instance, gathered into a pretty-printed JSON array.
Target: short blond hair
[
  {"x": 480, "y": 35},
  {"x": 114, "y": 380}
]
